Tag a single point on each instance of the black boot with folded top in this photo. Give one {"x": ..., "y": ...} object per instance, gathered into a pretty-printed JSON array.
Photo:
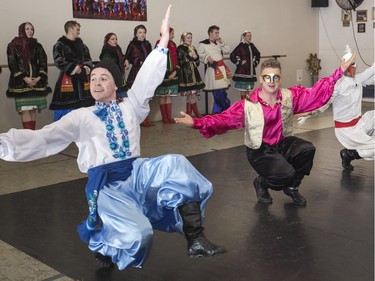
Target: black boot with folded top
[{"x": 198, "y": 244}]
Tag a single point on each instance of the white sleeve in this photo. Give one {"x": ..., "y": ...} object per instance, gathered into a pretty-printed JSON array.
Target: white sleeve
[
  {"x": 26, "y": 145},
  {"x": 148, "y": 79}
]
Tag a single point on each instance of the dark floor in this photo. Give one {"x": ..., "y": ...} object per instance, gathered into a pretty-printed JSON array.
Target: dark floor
[{"x": 332, "y": 239}]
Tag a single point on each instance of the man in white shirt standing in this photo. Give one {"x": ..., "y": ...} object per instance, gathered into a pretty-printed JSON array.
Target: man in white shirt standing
[{"x": 217, "y": 76}]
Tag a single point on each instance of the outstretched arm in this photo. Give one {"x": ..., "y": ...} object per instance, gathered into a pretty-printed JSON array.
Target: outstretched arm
[
  {"x": 216, "y": 124},
  {"x": 22, "y": 145}
]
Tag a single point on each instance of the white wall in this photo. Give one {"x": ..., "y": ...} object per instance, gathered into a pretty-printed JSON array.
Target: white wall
[
  {"x": 333, "y": 37},
  {"x": 288, "y": 27}
]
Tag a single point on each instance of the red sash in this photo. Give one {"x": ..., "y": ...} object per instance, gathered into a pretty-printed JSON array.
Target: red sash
[
  {"x": 67, "y": 83},
  {"x": 347, "y": 124},
  {"x": 218, "y": 74}
]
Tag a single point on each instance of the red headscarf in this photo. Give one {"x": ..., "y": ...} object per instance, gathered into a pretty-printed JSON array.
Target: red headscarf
[
  {"x": 23, "y": 43},
  {"x": 116, "y": 50}
]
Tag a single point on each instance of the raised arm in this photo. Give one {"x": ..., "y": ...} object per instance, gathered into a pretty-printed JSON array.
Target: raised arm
[
  {"x": 151, "y": 73},
  {"x": 366, "y": 77},
  {"x": 345, "y": 64},
  {"x": 304, "y": 116},
  {"x": 164, "y": 29},
  {"x": 309, "y": 99}
]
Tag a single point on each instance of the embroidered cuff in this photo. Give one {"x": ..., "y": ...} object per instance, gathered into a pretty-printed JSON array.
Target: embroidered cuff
[
  {"x": 162, "y": 50},
  {"x": 3, "y": 149}
]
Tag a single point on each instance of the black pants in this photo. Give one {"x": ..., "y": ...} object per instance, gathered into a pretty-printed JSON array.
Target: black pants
[{"x": 284, "y": 164}]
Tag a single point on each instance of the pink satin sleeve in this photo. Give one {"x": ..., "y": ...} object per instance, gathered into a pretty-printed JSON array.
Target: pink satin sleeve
[
  {"x": 216, "y": 124},
  {"x": 308, "y": 99}
]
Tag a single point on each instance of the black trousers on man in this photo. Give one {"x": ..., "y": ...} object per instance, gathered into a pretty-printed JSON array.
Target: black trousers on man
[{"x": 284, "y": 164}]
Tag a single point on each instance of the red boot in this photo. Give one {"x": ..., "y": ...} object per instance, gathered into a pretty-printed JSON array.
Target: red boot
[
  {"x": 29, "y": 125},
  {"x": 149, "y": 122},
  {"x": 145, "y": 123},
  {"x": 163, "y": 110},
  {"x": 196, "y": 111},
  {"x": 169, "y": 113},
  {"x": 188, "y": 108}
]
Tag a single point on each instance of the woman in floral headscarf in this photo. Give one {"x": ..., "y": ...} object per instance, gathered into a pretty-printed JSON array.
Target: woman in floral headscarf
[{"x": 28, "y": 81}]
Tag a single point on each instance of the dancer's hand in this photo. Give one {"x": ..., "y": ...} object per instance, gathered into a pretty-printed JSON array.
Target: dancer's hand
[
  {"x": 164, "y": 29},
  {"x": 302, "y": 119},
  {"x": 345, "y": 64},
  {"x": 186, "y": 119}
]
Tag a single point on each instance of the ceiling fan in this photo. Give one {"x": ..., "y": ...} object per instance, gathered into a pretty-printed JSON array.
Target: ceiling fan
[{"x": 349, "y": 4}]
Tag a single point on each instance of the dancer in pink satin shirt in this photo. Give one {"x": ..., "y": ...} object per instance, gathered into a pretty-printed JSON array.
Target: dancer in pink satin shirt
[{"x": 280, "y": 159}]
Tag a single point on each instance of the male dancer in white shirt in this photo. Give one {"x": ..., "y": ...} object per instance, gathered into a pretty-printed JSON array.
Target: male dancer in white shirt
[
  {"x": 353, "y": 130},
  {"x": 137, "y": 195}
]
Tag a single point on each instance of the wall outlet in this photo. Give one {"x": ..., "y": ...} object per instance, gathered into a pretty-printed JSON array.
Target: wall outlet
[{"x": 299, "y": 75}]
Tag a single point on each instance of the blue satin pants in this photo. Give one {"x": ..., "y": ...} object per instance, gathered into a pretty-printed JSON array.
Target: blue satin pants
[{"x": 147, "y": 200}]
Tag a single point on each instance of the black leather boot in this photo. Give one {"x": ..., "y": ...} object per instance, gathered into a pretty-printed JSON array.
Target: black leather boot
[
  {"x": 347, "y": 155},
  {"x": 262, "y": 191},
  {"x": 103, "y": 261},
  {"x": 298, "y": 199},
  {"x": 198, "y": 244}
]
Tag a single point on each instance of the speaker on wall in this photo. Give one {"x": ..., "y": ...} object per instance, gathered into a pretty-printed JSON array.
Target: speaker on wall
[{"x": 319, "y": 3}]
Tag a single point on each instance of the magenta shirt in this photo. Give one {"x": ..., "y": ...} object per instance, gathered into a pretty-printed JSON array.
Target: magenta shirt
[{"x": 304, "y": 100}]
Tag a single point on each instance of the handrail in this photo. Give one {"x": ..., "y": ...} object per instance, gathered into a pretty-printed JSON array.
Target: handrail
[
  {"x": 6, "y": 66},
  {"x": 226, "y": 58},
  {"x": 273, "y": 56}
]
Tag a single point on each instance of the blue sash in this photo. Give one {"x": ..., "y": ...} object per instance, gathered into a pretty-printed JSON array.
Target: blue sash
[{"x": 97, "y": 178}]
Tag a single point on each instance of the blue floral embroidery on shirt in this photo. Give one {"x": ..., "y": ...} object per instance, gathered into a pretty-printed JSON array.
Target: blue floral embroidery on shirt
[{"x": 111, "y": 114}]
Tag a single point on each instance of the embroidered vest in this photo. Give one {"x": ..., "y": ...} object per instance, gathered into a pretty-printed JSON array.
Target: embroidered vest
[{"x": 254, "y": 119}]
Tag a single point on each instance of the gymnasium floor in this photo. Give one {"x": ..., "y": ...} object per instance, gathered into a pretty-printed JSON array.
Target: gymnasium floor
[{"x": 330, "y": 239}]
